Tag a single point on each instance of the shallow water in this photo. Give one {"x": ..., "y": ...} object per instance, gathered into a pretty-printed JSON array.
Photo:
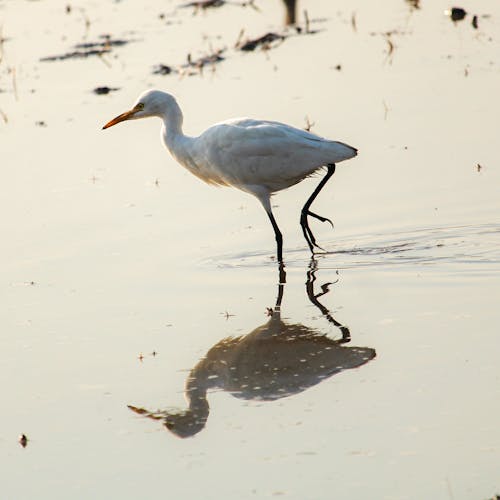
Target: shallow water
[{"x": 121, "y": 271}]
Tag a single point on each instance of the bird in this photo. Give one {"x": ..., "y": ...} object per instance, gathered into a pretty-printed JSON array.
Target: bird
[
  {"x": 260, "y": 157},
  {"x": 275, "y": 360}
]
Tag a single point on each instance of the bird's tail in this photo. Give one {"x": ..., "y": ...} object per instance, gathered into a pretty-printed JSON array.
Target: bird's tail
[{"x": 344, "y": 151}]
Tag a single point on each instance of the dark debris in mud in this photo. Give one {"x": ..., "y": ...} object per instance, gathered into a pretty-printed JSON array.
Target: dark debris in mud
[
  {"x": 414, "y": 4},
  {"x": 192, "y": 66},
  {"x": 107, "y": 43},
  {"x": 76, "y": 54},
  {"x": 389, "y": 40},
  {"x": 105, "y": 90},
  {"x": 214, "y": 4},
  {"x": 23, "y": 440},
  {"x": 272, "y": 39},
  {"x": 457, "y": 14},
  {"x": 263, "y": 42},
  {"x": 163, "y": 69},
  {"x": 89, "y": 49},
  {"x": 210, "y": 59}
]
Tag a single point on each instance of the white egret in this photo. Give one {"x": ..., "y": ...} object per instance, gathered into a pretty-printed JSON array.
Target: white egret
[{"x": 259, "y": 157}]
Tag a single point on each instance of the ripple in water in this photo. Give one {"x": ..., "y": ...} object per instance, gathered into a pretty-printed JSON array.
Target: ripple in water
[{"x": 471, "y": 248}]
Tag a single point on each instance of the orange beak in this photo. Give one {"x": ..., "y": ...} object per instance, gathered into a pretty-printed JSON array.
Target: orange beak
[{"x": 121, "y": 118}]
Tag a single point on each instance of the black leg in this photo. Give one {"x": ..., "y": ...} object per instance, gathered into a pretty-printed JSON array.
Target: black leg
[
  {"x": 277, "y": 233},
  {"x": 281, "y": 287},
  {"x": 308, "y": 235},
  {"x": 313, "y": 297}
]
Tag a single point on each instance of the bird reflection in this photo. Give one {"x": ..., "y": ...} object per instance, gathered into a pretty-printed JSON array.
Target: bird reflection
[{"x": 275, "y": 360}]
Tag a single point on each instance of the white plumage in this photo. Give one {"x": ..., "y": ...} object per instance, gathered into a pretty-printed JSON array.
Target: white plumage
[{"x": 257, "y": 156}]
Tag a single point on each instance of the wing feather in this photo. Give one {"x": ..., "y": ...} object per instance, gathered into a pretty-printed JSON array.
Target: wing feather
[{"x": 271, "y": 154}]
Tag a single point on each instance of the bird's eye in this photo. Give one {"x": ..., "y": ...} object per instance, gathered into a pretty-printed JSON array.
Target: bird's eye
[{"x": 140, "y": 105}]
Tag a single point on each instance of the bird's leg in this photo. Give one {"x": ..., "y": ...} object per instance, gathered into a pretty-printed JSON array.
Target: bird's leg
[
  {"x": 264, "y": 197},
  {"x": 308, "y": 235},
  {"x": 311, "y": 278},
  {"x": 278, "y": 235},
  {"x": 281, "y": 288}
]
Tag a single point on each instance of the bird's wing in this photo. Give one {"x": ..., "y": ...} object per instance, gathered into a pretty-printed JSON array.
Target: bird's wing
[
  {"x": 266, "y": 153},
  {"x": 267, "y": 130},
  {"x": 268, "y": 137}
]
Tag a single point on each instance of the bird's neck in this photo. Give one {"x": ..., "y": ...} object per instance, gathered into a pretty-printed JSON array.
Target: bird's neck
[
  {"x": 196, "y": 394},
  {"x": 172, "y": 134},
  {"x": 172, "y": 120},
  {"x": 179, "y": 145}
]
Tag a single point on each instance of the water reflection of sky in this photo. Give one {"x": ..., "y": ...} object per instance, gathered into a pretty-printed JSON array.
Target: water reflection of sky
[{"x": 111, "y": 251}]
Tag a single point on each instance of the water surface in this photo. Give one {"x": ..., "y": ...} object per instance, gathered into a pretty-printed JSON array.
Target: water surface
[{"x": 124, "y": 278}]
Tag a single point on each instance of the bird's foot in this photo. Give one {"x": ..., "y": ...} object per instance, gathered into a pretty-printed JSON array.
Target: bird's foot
[
  {"x": 308, "y": 234},
  {"x": 346, "y": 335},
  {"x": 319, "y": 217}
]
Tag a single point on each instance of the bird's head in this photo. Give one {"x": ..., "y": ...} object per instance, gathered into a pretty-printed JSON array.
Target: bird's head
[
  {"x": 149, "y": 103},
  {"x": 186, "y": 423}
]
